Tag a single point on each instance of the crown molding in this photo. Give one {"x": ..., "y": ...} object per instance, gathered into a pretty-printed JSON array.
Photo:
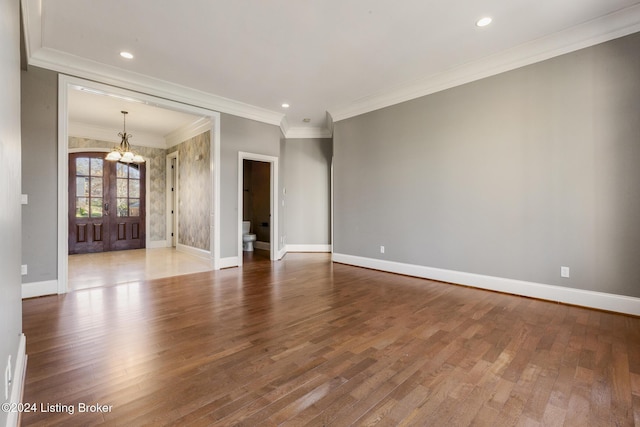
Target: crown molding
[
  {"x": 304, "y": 132},
  {"x": 329, "y": 120},
  {"x": 79, "y": 67},
  {"x": 307, "y": 133},
  {"x": 61, "y": 62},
  {"x": 32, "y": 23},
  {"x": 81, "y": 130},
  {"x": 180, "y": 135},
  {"x": 608, "y": 27},
  {"x": 284, "y": 126}
]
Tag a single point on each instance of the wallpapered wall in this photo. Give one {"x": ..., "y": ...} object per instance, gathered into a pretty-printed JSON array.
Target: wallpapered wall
[
  {"x": 194, "y": 191},
  {"x": 156, "y": 165}
]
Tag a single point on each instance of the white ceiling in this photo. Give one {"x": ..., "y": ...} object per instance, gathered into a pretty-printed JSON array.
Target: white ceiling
[
  {"x": 96, "y": 114},
  {"x": 344, "y": 57}
]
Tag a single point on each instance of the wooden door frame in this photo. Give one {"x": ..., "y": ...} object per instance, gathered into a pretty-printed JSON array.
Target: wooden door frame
[
  {"x": 147, "y": 186},
  {"x": 141, "y": 94}
]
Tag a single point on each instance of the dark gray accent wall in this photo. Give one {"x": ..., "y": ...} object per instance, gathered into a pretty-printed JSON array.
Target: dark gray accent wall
[
  {"x": 39, "y": 93},
  {"x": 511, "y": 176},
  {"x": 10, "y": 243},
  {"x": 308, "y": 185},
  {"x": 239, "y": 134}
]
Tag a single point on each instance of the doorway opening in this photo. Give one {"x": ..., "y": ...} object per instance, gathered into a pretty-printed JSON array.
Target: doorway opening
[
  {"x": 258, "y": 201},
  {"x": 154, "y": 232},
  {"x": 256, "y": 205}
]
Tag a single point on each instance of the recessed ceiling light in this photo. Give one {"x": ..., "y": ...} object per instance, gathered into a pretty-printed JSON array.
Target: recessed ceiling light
[
  {"x": 483, "y": 22},
  {"x": 285, "y": 105},
  {"x": 126, "y": 55}
]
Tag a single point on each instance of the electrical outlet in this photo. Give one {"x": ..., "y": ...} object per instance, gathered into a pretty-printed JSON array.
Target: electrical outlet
[
  {"x": 24, "y": 270},
  {"x": 381, "y": 249},
  {"x": 564, "y": 271}
]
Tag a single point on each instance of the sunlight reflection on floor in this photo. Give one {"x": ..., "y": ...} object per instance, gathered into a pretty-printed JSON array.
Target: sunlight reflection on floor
[{"x": 111, "y": 268}]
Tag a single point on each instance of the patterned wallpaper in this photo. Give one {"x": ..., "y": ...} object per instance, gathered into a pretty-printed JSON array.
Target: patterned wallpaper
[
  {"x": 194, "y": 191},
  {"x": 156, "y": 165}
]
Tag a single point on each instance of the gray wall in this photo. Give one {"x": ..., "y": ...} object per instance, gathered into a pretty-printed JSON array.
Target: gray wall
[
  {"x": 10, "y": 293},
  {"x": 238, "y": 134},
  {"x": 510, "y": 176},
  {"x": 39, "y": 178},
  {"x": 308, "y": 185}
]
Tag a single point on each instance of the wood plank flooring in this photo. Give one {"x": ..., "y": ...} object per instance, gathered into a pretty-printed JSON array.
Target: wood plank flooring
[{"x": 307, "y": 342}]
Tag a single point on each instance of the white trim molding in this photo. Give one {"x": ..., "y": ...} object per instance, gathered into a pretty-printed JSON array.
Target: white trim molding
[
  {"x": 228, "y": 262},
  {"x": 194, "y": 251},
  {"x": 17, "y": 386},
  {"x": 308, "y": 248},
  {"x": 154, "y": 244},
  {"x": 273, "y": 204},
  {"x": 66, "y": 83},
  {"x": 65, "y": 63},
  {"x": 38, "y": 289},
  {"x": 189, "y": 131},
  {"x": 306, "y": 132},
  {"x": 579, "y": 297},
  {"x": 618, "y": 24}
]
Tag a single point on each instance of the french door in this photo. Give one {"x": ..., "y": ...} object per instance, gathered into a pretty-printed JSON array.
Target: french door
[{"x": 106, "y": 204}]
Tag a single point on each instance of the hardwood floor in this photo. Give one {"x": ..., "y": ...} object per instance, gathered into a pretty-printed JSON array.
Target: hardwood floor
[{"x": 307, "y": 342}]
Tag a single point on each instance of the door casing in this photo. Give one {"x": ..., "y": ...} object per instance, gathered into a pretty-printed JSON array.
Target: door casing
[
  {"x": 141, "y": 94},
  {"x": 273, "y": 255}
]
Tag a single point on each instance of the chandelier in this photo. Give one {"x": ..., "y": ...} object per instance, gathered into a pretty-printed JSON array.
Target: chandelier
[{"x": 123, "y": 152}]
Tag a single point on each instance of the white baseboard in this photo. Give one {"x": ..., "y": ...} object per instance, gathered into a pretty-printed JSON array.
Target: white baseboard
[
  {"x": 231, "y": 261},
  {"x": 308, "y": 248},
  {"x": 281, "y": 253},
  {"x": 262, "y": 245},
  {"x": 193, "y": 251},
  {"x": 17, "y": 387},
  {"x": 584, "y": 298},
  {"x": 38, "y": 289},
  {"x": 157, "y": 244}
]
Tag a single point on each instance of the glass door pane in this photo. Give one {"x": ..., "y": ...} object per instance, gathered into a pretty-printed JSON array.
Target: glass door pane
[
  {"x": 89, "y": 193},
  {"x": 128, "y": 190}
]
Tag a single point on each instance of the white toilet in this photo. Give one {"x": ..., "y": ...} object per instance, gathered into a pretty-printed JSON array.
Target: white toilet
[{"x": 247, "y": 238}]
